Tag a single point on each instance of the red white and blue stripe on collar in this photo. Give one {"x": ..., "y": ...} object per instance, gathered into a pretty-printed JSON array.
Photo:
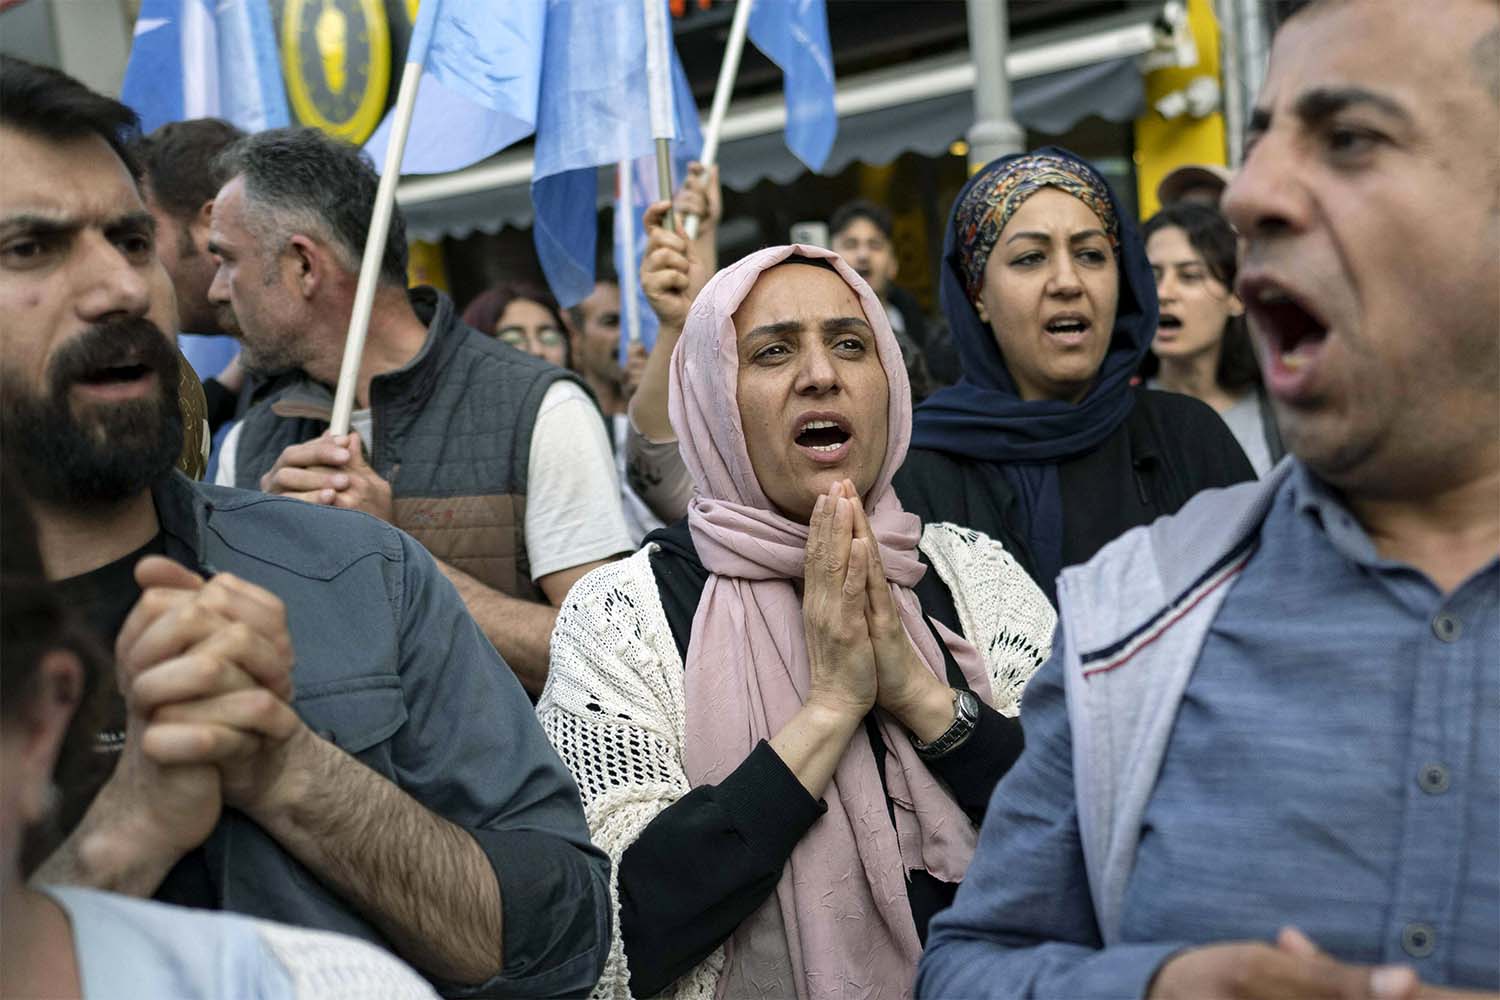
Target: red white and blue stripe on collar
[{"x": 1120, "y": 652}]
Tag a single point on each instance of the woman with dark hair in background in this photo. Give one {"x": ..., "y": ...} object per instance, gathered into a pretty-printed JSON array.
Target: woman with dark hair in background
[
  {"x": 1202, "y": 348},
  {"x": 526, "y": 317},
  {"x": 1044, "y": 443}
]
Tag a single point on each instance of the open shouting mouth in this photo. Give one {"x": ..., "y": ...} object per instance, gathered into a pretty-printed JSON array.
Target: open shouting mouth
[
  {"x": 1292, "y": 333},
  {"x": 1068, "y": 328},
  {"x": 825, "y": 437}
]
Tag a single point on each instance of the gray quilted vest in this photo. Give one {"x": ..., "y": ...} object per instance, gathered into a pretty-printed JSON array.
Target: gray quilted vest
[{"x": 452, "y": 437}]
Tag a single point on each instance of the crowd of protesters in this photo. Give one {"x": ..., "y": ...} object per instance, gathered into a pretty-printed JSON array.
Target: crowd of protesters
[{"x": 1129, "y": 629}]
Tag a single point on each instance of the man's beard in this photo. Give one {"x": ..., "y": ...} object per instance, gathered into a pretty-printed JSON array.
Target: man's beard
[
  {"x": 263, "y": 358},
  {"x": 106, "y": 452}
]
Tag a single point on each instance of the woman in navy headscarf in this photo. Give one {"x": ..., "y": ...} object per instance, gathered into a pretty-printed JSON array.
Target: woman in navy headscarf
[{"x": 1044, "y": 442}]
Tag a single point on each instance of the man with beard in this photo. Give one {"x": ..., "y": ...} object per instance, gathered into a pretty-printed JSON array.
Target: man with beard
[
  {"x": 494, "y": 460},
  {"x": 1261, "y": 762},
  {"x": 178, "y": 160},
  {"x": 405, "y": 793}
]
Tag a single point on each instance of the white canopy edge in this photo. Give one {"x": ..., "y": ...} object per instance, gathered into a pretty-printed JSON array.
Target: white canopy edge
[{"x": 1159, "y": 30}]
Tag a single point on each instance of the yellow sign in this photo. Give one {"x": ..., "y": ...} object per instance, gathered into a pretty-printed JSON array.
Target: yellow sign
[
  {"x": 1161, "y": 145},
  {"x": 336, "y": 57}
]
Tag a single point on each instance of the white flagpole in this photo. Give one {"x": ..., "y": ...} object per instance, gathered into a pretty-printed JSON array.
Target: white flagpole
[
  {"x": 369, "y": 268},
  {"x": 659, "y": 93},
  {"x": 625, "y": 226},
  {"x": 728, "y": 70}
]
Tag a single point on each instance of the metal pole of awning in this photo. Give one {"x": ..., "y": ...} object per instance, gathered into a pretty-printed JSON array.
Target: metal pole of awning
[
  {"x": 995, "y": 132},
  {"x": 1253, "y": 51},
  {"x": 1246, "y": 52}
]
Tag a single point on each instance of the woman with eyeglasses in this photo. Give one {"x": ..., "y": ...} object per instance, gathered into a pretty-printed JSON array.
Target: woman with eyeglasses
[{"x": 524, "y": 316}]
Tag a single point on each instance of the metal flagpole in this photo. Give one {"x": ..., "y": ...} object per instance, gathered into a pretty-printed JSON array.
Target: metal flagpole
[
  {"x": 369, "y": 268},
  {"x": 659, "y": 88},
  {"x": 728, "y": 70},
  {"x": 629, "y": 277}
]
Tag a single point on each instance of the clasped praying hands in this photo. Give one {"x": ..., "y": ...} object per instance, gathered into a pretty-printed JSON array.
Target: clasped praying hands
[
  {"x": 859, "y": 653},
  {"x": 206, "y": 667}
]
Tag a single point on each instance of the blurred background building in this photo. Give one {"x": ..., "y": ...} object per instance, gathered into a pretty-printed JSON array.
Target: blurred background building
[{"x": 1136, "y": 86}]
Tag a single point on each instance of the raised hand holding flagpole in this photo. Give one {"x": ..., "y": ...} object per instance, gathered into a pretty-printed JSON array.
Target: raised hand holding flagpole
[{"x": 728, "y": 70}]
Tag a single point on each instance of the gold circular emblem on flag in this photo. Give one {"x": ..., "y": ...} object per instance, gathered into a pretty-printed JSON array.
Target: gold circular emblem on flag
[{"x": 336, "y": 58}]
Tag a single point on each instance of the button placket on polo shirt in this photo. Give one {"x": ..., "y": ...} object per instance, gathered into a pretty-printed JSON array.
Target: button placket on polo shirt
[
  {"x": 1433, "y": 778},
  {"x": 1447, "y": 626},
  {"x": 1426, "y": 878}
]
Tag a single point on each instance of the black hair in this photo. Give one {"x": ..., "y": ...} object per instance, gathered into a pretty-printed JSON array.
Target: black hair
[
  {"x": 33, "y": 623},
  {"x": 300, "y": 180},
  {"x": 49, "y": 104},
  {"x": 1211, "y": 235},
  {"x": 604, "y": 274},
  {"x": 181, "y": 161},
  {"x": 860, "y": 208},
  {"x": 1282, "y": 11},
  {"x": 826, "y": 263}
]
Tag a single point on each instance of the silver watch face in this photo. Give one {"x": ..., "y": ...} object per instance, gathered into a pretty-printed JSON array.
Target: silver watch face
[{"x": 965, "y": 715}]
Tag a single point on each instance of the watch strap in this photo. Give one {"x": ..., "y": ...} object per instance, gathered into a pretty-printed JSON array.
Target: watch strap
[{"x": 965, "y": 718}]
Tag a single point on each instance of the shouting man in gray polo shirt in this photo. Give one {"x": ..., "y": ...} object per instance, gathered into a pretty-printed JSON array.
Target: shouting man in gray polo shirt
[{"x": 1261, "y": 762}]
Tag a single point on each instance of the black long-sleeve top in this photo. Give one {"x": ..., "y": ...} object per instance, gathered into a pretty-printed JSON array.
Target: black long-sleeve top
[{"x": 709, "y": 860}]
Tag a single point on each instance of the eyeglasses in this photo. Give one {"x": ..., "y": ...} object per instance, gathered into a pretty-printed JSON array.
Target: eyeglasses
[{"x": 516, "y": 336}]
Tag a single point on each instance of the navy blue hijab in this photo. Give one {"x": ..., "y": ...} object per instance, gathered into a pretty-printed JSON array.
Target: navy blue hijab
[{"x": 984, "y": 417}]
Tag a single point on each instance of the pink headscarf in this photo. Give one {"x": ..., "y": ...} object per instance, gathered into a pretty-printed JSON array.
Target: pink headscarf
[{"x": 840, "y": 924}]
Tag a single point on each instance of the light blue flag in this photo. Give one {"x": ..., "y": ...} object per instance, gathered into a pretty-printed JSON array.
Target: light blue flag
[
  {"x": 205, "y": 59},
  {"x": 482, "y": 68},
  {"x": 644, "y": 189},
  {"x": 593, "y": 111},
  {"x": 793, "y": 34}
]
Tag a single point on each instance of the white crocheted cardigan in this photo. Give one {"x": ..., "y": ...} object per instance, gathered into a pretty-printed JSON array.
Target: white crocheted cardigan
[{"x": 614, "y": 706}]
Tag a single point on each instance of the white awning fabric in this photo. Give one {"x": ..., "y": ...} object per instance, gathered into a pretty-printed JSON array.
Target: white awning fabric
[{"x": 1091, "y": 69}]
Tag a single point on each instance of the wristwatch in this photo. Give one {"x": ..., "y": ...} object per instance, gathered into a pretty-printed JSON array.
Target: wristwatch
[{"x": 965, "y": 717}]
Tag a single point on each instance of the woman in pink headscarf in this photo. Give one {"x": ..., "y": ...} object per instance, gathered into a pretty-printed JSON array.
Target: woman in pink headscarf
[{"x": 786, "y": 714}]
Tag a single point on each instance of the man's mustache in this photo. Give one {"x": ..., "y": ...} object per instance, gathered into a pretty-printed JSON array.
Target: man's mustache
[
  {"x": 121, "y": 343},
  {"x": 228, "y": 321}
]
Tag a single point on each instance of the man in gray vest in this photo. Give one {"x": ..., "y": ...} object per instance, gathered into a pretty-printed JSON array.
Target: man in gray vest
[
  {"x": 1262, "y": 760},
  {"x": 494, "y": 460},
  {"x": 307, "y": 725}
]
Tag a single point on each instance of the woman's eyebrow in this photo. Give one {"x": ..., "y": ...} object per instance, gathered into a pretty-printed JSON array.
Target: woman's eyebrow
[
  {"x": 775, "y": 329},
  {"x": 844, "y": 324}
]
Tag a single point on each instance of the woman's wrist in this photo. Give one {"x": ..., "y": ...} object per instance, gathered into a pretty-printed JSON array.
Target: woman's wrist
[
  {"x": 834, "y": 711},
  {"x": 813, "y": 741},
  {"x": 925, "y": 710}
]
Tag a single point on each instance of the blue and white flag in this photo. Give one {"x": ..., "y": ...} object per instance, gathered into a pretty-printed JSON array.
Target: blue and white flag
[
  {"x": 793, "y": 34},
  {"x": 594, "y": 111},
  {"x": 205, "y": 59},
  {"x": 481, "y": 71}
]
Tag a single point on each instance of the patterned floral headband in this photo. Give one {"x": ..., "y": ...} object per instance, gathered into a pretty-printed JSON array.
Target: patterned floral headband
[{"x": 984, "y": 212}]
